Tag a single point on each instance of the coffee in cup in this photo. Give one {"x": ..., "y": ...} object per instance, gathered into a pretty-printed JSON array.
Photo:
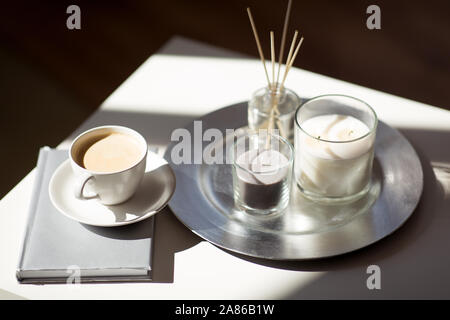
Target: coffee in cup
[
  {"x": 109, "y": 162},
  {"x": 114, "y": 152}
]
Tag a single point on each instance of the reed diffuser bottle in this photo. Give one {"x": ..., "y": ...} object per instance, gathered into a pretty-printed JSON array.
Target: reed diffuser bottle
[{"x": 273, "y": 107}]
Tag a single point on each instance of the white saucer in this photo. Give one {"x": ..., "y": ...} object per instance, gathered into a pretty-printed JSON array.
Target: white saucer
[{"x": 153, "y": 194}]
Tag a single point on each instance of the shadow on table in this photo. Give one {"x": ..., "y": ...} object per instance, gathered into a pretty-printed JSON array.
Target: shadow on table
[
  {"x": 169, "y": 236},
  {"x": 155, "y": 127},
  {"x": 415, "y": 256}
]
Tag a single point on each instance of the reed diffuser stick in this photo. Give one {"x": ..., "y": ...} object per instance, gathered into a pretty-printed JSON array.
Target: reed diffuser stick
[
  {"x": 258, "y": 44},
  {"x": 271, "y": 123},
  {"x": 291, "y": 49},
  {"x": 274, "y": 108},
  {"x": 291, "y": 62},
  {"x": 283, "y": 38},
  {"x": 272, "y": 56}
]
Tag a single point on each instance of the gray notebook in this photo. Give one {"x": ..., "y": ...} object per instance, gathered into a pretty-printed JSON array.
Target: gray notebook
[{"x": 57, "y": 249}]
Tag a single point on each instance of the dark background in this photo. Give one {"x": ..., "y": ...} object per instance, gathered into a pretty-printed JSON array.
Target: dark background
[{"x": 52, "y": 78}]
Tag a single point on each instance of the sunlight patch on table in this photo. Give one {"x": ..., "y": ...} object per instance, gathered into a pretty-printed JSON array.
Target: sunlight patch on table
[{"x": 442, "y": 172}]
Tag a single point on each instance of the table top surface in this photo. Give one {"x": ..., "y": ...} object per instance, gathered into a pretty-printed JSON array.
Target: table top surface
[{"x": 186, "y": 80}]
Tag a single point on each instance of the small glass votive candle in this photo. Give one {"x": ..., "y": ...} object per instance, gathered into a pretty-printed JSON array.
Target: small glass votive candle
[
  {"x": 334, "y": 148},
  {"x": 262, "y": 172},
  {"x": 286, "y": 103}
]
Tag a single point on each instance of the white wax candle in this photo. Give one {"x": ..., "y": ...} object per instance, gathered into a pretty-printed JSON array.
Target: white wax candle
[
  {"x": 263, "y": 185},
  {"x": 267, "y": 166},
  {"x": 338, "y": 168}
]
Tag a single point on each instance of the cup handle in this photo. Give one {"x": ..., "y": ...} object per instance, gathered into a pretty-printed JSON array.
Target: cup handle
[{"x": 79, "y": 188}]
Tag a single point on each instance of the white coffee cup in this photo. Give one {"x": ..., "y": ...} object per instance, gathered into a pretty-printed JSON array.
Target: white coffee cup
[{"x": 108, "y": 187}]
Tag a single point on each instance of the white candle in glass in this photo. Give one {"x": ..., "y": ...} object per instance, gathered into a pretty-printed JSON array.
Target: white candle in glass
[
  {"x": 333, "y": 155},
  {"x": 262, "y": 171},
  {"x": 262, "y": 178}
]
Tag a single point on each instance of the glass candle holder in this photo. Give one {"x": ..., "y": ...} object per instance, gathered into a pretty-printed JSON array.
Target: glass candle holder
[
  {"x": 284, "y": 102},
  {"x": 262, "y": 170},
  {"x": 334, "y": 147}
]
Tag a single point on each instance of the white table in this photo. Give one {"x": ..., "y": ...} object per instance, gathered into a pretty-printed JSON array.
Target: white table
[{"x": 188, "y": 79}]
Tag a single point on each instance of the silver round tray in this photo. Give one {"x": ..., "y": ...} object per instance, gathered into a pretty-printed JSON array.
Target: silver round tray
[{"x": 203, "y": 201}]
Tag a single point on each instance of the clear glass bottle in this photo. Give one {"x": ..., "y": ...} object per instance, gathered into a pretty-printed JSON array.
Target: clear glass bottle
[{"x": 282, "y": 103}]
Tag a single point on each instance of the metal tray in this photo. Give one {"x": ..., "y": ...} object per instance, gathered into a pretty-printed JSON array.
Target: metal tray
[{"x": 203, "y": 201}]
